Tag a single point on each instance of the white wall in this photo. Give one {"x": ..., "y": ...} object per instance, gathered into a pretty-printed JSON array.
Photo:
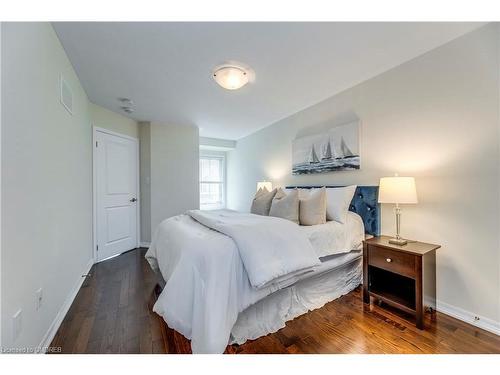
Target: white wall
[
  {"x": 1, "y": 324},
  {"x": 169, "y": 173},
  {"x": 104, "y": 118},
  {"x": 145, "y": 183},
  {"x": 435, "y": 118},
  {"x": 46, "y": 181},
  {"x": 174, "y": 171}
]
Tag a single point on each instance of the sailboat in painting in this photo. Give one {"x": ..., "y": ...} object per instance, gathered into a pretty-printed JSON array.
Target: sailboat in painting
[
  {"x": 347, "y": 153},
  {"x": 337, "y": 150},
  {"x": 313, "y": 157},
  {"x": 327, "y": 151}
]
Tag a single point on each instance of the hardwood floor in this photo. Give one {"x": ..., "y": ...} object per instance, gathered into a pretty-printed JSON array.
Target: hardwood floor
[{"x": 112, "y": 314}]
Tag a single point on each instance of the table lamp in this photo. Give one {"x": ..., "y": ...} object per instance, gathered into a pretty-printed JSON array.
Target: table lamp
[{"x": 397, "y": 190}]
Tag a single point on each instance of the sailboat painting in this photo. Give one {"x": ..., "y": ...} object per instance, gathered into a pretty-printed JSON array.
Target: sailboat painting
[{"x": 335, "y": 150}]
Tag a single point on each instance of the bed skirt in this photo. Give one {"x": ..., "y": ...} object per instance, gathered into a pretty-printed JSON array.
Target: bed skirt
[{"x": 270, "y": 314}]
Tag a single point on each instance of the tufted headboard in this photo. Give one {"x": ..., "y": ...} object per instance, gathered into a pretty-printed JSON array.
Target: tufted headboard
[{"x": 364, "y": 203}]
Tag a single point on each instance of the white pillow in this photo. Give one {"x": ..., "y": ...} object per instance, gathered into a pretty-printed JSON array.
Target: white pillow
[
  {"x": 338, "y": 201},
  {"x": 262, "y": 202},
  {"x": 286, "y": 205},
  {"x": 312, "y": 210}
]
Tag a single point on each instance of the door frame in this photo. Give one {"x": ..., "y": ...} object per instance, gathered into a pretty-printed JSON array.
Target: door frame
[{"x": 95, "y": 130}]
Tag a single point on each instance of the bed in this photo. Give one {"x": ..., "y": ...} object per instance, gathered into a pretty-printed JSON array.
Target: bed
[{"x": 224, "y": 283}]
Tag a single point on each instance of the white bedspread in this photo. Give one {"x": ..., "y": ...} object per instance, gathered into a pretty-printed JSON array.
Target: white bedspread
[
  {"x": 271, "y": 248},
  {"x": 207, "y": 284}
]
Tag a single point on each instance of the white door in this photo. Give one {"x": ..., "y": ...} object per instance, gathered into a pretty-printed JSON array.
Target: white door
[{"x": 116, "y": 194}]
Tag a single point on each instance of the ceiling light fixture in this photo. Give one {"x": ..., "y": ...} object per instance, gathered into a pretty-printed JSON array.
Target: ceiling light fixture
[{"x": 231, "y": 77}]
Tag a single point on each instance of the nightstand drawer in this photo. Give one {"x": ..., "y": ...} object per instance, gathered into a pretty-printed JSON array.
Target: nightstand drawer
[{"x": 392, "y": 260}]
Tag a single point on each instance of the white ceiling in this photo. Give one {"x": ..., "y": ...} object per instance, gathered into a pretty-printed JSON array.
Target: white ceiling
[{"x": 166, "y": 67}]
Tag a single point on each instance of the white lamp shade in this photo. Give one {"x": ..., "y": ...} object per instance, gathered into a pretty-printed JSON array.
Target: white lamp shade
[
  {"x": 231, "y": 77},
  {"x": 265, "y": 185},
  {"x": 397, "y": 190}
]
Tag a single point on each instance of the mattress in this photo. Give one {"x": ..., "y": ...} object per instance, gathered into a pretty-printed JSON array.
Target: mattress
[
  {"x": 337, "y": 276},
  {"x": 334, "y": 237}
]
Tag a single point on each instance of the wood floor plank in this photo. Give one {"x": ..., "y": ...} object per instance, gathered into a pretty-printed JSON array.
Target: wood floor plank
[
  {"x": 112, "y": 313},
  {"x": 83, "y": 336}
]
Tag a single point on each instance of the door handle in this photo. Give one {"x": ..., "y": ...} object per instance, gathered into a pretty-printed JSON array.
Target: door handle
[{"x": 133, "y": 200}]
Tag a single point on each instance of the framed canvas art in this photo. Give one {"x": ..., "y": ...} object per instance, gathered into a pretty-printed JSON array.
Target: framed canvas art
[{"x": 334, "y": 150}]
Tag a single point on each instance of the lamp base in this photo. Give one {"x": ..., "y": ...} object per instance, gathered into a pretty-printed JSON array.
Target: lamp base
[{"x": 398, "y": 241}]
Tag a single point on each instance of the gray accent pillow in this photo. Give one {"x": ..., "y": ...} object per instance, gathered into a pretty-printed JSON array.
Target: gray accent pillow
[
  {"x": 260, "y": 192},
  {"x": 286, "y": 205},
  {"x": 262, "y": 202},
  {"x": 312, "y": 209}
]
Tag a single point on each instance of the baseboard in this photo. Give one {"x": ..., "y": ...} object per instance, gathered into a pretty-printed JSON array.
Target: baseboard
[
  {"x": 56, "y": 323},
  {"x": 456, "y": 312},
  {"x": 145, "y": 244}
]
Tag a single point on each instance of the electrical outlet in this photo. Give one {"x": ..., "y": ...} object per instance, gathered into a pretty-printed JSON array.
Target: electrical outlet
[
  {"x": 17, "y": 324},
  {"x": 38, "y": 299}
]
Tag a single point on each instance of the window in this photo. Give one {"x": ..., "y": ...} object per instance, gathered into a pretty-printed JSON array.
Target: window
[{"x": 212, "y": 181}]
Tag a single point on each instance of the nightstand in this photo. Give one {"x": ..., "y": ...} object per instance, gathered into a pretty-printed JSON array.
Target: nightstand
[{"x": 401, "y": 276}]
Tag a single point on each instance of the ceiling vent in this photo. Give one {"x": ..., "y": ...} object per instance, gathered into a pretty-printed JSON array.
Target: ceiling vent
[
  {"x": 126, "y": 105},
  {"x": 66, "y": 95}
]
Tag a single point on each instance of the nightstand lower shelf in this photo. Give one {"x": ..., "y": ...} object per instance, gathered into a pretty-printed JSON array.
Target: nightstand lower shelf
[
  {"x": 393, "y": 289},
  {"x": 394, "y": 301}
]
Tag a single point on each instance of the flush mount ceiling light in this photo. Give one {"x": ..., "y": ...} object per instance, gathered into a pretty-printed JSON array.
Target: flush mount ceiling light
[{"x": 231, "y": 77}]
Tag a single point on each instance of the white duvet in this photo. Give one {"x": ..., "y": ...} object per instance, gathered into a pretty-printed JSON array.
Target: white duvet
[
  {"x": 207, "y": 272},
  {"x": 272, "y": 249}
]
